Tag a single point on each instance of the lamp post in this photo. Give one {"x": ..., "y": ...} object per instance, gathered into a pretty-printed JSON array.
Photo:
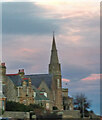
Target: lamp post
[
  {"x": 83, "y": 107},
  {"x": 66, "y": 85}
]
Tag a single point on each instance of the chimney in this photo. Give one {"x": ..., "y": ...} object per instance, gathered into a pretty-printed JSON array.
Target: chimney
[
  {"x": 29, "y": 82},
  {"x": 21, "y": 72},
  {"x": 3, "y": 68}
]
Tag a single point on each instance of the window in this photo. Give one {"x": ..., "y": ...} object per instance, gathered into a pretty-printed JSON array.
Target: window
[
  {"x": 43, "y": 93},
  {"x": 24, "y": 102},
  {"x": 34, "y": 94},
  {"x": 58, "y": 83},
  {"x": 47, "y": 106}
]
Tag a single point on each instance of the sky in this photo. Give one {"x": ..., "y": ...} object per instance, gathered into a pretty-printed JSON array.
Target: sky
[{"x": 27, "y": 32}]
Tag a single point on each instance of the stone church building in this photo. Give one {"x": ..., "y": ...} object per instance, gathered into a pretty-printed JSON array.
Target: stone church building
[{"x": 43, "y": 89}]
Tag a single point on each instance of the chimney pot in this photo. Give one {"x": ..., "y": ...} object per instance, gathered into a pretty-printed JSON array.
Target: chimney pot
[
  {"x": 3, "y": 64},
  {"x": 21, "y": 70}
]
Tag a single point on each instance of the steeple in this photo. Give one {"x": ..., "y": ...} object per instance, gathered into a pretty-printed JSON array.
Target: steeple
[
  {"x": 53, "y": 44},
  {"x": 54, "y": 55},
  {"x": 55, "y": 71},
  {"x": 54, "y": 66}
]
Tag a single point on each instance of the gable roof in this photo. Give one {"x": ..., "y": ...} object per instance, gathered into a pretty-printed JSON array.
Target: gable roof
[
  {"x": 38, "y": 78},
  {"x": 35, "y": 79}
]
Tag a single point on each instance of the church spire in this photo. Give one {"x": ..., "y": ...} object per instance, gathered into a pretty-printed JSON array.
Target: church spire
[
  {"x": 53, "y": 44},
  {"x": 54, "y": 66},
  {"x": 54, "y": 55},
  {"x": 55, "y": 71}
]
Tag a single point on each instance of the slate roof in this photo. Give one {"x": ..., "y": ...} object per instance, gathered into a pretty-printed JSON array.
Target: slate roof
[
  {"x": 17, "y": 80},
  {"x": 35, "y": 89},
  {"x": 37, "y": 79}
]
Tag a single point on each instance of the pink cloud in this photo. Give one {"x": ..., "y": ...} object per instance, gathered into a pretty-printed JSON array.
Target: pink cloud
[
  {"x": 27, "y": 50},
  {"x": 92, "y": 77},
  {"x": 65, "y": 80}
]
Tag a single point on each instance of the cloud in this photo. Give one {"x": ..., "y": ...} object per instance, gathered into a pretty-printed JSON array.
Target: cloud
[
  {"x": 65, "y": 80},
  {"x": 92, "y": 77},
  {"x": 39, "y": 18},
  {"x": 27, "y": 20},
  {"x": 89, "y": 84},
  {"x": 53, "y": 2},
  {"x": 34, "y": 49},
  {"x": 30, "y": 52},
  {"x": 24, "y": 27}
]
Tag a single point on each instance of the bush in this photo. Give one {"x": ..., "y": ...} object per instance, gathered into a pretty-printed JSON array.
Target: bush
[
  {"x": 55, "y": 108},
  {"x": 15, "y": 106}
]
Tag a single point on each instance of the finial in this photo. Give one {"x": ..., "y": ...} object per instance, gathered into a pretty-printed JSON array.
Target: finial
[{"x": 53, "y": 33}]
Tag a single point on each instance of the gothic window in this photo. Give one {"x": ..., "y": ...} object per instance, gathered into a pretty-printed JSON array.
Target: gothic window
[
  {"x": 34, "y": 94},
  {"x": 58, "y": 83}
]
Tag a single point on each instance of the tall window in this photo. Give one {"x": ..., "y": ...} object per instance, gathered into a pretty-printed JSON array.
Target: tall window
[
  {"x": 58, "y": 83},
  {"x": 34, "y": 94}
]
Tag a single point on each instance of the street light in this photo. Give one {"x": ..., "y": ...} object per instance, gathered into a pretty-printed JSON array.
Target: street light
[{"x": 83, "y": 107}]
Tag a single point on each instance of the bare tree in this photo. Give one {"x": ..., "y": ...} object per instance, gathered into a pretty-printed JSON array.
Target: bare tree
[{"x": 82, "y": 103}]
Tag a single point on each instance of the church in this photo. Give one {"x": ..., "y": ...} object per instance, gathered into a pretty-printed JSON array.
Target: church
[{"x": 43, "y": 89}]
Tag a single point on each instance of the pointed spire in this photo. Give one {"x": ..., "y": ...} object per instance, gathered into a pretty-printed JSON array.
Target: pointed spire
[
  {"x": 54, "y": 56},
  {"x": 53, "y": 44},
  {"x": 54, "y": 66}
]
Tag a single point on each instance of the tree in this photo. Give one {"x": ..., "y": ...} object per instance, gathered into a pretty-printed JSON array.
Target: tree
[{"x": 83, "y": 104}]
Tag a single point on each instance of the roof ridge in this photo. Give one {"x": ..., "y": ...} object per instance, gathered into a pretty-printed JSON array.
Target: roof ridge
[
  {"x": 11, "y": 74},
  {"x": 37, "y": 74}
]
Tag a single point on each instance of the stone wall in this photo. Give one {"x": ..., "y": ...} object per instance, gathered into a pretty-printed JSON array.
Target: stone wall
[
  {"x": 65, "y": 92},
  {"x": 26, "y": 95},
  {"x": 10, "y": 90},
  {"x": 71, "y": 114},
  {"x": 19, "y": 115}
]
